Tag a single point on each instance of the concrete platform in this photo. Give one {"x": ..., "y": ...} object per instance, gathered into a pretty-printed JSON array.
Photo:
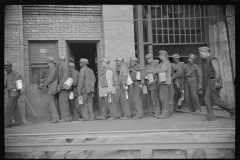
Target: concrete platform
[{"x": 177, "y": 121}]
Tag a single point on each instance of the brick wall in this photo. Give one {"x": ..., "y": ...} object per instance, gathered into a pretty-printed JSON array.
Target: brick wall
[
  {"x": 230, "y": 16},
  {"x": 59, "y": 23},
  {"x": 13, "y": 44},
  {"x": 118, "y": 35}
]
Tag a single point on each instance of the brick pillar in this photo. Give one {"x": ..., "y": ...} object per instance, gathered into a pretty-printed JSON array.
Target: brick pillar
[
  {"x": 13, "y": 43},
  {"x": 118, "y": 32}
]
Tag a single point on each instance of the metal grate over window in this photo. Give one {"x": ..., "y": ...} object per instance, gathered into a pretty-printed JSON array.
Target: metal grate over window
[
  {"x": 178, "y": 24},
  {"x": 182, "y": 50}
]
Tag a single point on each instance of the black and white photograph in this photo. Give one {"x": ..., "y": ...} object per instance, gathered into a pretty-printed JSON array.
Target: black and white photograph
[{"x": 119, "y": 80}]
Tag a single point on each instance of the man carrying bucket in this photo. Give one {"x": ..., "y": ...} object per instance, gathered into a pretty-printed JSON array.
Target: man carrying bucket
[
  {"x": 86, "y": 84},
  {"x": 137, "y": 75},
  {"x": 12, "y": 107},
  {"x": 77, "y": 111},
  {"x": 107, "y": 91},
  {"x": 152, "y": 95},
  {"x": 51, "y": 82},
  {"x": 124, "y": 88},
  {"x": 164, "y": 86},
  {"x": 63, "y": 75}
]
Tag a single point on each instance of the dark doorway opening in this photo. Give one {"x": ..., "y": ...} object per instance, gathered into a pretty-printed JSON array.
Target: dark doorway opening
[{"x": 76, "y": 51}]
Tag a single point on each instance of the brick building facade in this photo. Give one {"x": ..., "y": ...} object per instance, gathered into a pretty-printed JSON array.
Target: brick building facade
[{"x": 83, "y": 31}]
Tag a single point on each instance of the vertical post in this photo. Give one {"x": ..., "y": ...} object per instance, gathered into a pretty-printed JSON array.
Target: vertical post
[
  {"x": 99, "y": 73},
  {"x": 140, "y": 35},
  {"x": 173, "y": 18},
  {"x": 195, "y": 24},
  {"x": 190, "y": 28},
  {"x": 150, "y": 41},
  {"x": 162, "y": 23},
  {"x": 200, "y": 15},
  {"x": 206, "y": 24}
]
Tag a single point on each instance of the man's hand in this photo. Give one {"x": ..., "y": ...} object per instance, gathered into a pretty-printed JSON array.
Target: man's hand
[
  {"x": 149, "y": 71},
  {"x": 22, "y": 91},
  {"x": 199, "y": 87},
  {"x": 109, "y": 92},
  {"x": 40, "y": 86}
]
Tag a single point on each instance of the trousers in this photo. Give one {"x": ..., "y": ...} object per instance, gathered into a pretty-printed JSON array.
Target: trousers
[
  {"x": 64, "y": 105},
  {"x": 109, "y": 109},
  {"x": 87, "y": 107},
  {"x": 52, "y": 107},
  {"x": 153, "y": 101},
  {"x": 123, "y": 102},
  {"x": 164, "y": 97},
  {"x": 137, "y": 99},
  {"x": 191, "y": 94},
  {"x": 212, "y": 97},
  {"x": 76, "y": 109},
  {"x": 12, "y": 109}
]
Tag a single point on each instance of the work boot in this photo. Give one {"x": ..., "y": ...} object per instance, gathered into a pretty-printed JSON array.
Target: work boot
[
  {"x": 162, "y": 116},
  {"x": 83, "y": 119},
  {"x": 122, "y": 118},
  {"x": 137, "y": 117},
  {"x": 149, "y": 114},
  {"x": 198, "y": 110},
  {"x": 100, "y": 118},
  {"x": 155, "y": 115},
  {"x": 112, "y": 118}
]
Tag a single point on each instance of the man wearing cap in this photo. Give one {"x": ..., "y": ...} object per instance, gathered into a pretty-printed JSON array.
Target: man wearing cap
[
  {"x": 137, "y": 75},
  {"x": 178, "y": 87},
  {"x": 51, "y": 83},
  {"x": 164, "y": 87},
  {"x": 214, "y": 85},
  {"x": 156, "y": 60},
  {"x": 12, "y": 108},
  {"x": 86, "y": 89},
  {"x": 122, "y": 77},
  {"x": 176, "y": 73},
  {"x": 107, "y": 91},
  {"x": 152, "y": 95},
  {"x": 191, "y": 72},
  {"x": 63, "y": 75},
  {"x": 74, "y": 107}
]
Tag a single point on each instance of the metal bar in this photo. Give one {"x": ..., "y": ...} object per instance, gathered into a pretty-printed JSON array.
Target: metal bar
[
  {"x": 195, "y": 25},
  {"x": 200, "y": 14},
  {"x": 190, "y": 28},
  {"x": 167, "y": 23},
  {"x": 118, "y": 132},
  {"x": 162, "y": 24},
  {"x": 156, "y": 24},
  {"x": 206, "y": 27},
  {"x": 184, "y": 14},
  {"x": 140, "y": 35},
  {"x": 118, "y": 146},
  {"x": 173, "y": 24},
  {"x": 176, "y": 43},
  {"x": 150, "y": 47},
  {"x": 179, "y": 25}
]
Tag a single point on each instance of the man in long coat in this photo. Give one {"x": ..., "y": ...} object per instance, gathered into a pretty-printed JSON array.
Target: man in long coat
[{"x": 86, "y": 89}]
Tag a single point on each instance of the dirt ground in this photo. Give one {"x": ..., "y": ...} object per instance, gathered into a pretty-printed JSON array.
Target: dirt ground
[{"x": 178, "y": 120}]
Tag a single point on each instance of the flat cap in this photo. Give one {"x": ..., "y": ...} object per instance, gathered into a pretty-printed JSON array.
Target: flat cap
[
  {"x": 176, "y": 56},
  {"x": 83, "y": 60},
  {"x": 156, "y": 57},
  {"x": 163, "y": 52},
  {"x": 62, "y": 57},
  {"x": 70, "y": 64},
  {"x": 149, "y": 56},
  {"x": 106, "y": 60},
  {"x": 7, "y": 64},
  {"x": 50, "y": 58},
  {"x": 119, "y": 59},
  {"x": 133, "y": 59},
  {"x": 192, "y": 56},
  {"x": 203, "y": 49}
]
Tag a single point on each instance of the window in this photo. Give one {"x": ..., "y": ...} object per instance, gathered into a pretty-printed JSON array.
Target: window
[{"x": 38, "y": 53}]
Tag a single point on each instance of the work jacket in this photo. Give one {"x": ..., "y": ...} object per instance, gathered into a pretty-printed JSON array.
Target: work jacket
[
  {"x": 176, "y": 74},
  {"x": 153, "y": 85},
  {"x": 51, "y": 80},
  {"x": 63, "y": 74},
  {"x": 74, "y": 74},
  {"x": 106, "y": 82},
  {"x": 192, "y": 71},
  {"x": 133, "y": 72},
  {"x": 86, "y": 80}
]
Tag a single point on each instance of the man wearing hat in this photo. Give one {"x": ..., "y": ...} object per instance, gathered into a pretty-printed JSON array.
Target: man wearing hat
[
  {"x": 178, "y": 81},
  {"x": 51, "y": 83},
  {"x": 191, "y": 72},
  {"x": 156, "y": 60},
  {"x": 74, "y": 107},
  {"x": 152, "y": 95},
  {"x": 107, "y": 91},
  {"x": 137, "y": 75},
  {"x": 12, "y": 107},
  {"x": 214, "y": 85},
  {"x": 63, "y": 75},
  {"x": 86, "y": 89},
  {"x": 164, "y": 87},
  {"x": 124, "y": 88}
]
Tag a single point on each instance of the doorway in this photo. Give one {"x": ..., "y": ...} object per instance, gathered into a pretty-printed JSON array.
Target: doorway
[{"x": 89, "y": 50}]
